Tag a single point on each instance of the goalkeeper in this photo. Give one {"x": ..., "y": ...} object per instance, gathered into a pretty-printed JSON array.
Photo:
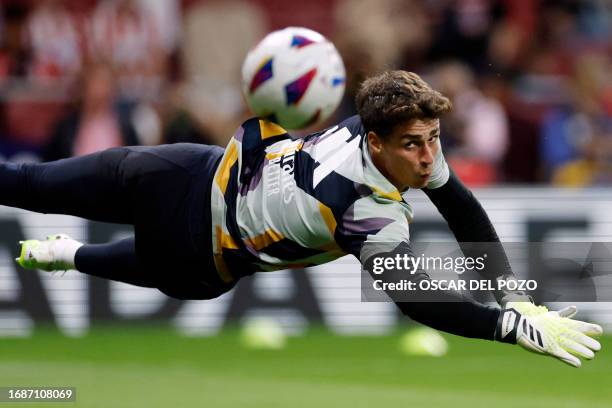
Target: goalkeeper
[{"x": 205, "y": 217}]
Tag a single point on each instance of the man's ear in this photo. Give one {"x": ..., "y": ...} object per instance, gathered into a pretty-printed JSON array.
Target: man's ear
[{"x": 374, "y": 142}]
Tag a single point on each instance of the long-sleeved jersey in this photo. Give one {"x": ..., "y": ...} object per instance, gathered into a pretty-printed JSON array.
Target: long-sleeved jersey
[{"x": 279, "y": 202}]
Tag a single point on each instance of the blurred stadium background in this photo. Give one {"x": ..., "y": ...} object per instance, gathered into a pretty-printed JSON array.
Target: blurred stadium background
[{"x": 531, "y": 133}]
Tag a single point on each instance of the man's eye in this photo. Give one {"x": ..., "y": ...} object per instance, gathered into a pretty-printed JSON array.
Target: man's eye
[
  {"x": 410, "y": 145},
  {"x": 434, "y": 138}
]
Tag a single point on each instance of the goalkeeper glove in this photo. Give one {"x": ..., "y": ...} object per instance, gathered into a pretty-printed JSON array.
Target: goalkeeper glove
[
  {"x": 526, "y": 308},
  {"x": 550, "y": 333}
]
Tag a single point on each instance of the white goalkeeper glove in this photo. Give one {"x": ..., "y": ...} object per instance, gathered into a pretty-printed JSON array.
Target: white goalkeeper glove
[
  {"x": 526, "y": 308},
  {"x": 551, "y": 333}
]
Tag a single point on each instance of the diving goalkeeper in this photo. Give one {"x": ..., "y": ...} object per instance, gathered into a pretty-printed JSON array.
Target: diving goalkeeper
[{"x": 205, "y": 217}]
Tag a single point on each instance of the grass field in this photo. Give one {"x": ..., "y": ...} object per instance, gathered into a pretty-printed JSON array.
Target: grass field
[{"x": 156, "y": 367}]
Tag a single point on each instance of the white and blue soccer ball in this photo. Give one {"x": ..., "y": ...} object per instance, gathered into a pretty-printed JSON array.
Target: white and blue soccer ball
[{"x": 295, "y": 77}]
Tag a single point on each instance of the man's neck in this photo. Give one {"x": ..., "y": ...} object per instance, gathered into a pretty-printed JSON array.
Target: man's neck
[{"x": 381, "y": 169}]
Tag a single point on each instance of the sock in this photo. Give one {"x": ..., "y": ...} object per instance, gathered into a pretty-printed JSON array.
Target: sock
[{"x": 64, "y": 251}]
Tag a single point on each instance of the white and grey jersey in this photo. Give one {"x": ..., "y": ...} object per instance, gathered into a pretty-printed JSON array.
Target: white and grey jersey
[{"x": 279, "y": 202}]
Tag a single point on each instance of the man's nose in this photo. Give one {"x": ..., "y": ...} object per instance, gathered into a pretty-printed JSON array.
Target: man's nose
[{"x": 427, "y": 156}]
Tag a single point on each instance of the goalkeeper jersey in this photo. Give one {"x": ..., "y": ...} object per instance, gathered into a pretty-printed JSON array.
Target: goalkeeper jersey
[{"x": 280, "y": 202}]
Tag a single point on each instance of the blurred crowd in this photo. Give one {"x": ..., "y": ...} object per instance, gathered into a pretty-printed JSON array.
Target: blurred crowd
[{"x": 530, "y": 80}]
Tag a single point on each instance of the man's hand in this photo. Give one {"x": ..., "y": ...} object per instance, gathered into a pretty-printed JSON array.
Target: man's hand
[
  {"x": 551, "y": 333},
  {"x": 525, "y": 308}
]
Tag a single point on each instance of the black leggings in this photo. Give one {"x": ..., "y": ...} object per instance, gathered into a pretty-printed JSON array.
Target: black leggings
[
  {"x": 116, "y": 261},
  {"x": 164, "y": 191}
]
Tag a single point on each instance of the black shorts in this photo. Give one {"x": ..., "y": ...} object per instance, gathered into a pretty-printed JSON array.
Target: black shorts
[
  {"x": 164, "y": 191},
  {"x": 170, "y": 188}
]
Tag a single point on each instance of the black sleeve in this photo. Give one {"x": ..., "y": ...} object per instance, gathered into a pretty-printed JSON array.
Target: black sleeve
[
  {"x": 470, "y": 224},
  {"x": 465, "y": 216},
  {"x": 454, "y": 313},
  {"x": 445, "y": 310}
]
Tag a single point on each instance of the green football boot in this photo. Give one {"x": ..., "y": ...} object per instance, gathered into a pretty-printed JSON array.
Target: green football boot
[{"x": 56, "y": 253}]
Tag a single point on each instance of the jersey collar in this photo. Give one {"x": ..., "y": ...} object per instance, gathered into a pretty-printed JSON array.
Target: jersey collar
[{"x": 374, "y": 179}]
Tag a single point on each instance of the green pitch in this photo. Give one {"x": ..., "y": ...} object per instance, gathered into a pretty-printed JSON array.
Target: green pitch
[{"x": 156, "y": 367}]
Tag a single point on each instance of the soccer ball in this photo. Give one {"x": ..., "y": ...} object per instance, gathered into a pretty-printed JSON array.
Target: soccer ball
[
  {"x": 294, "y": 77},
  {"x": 423, "y": 341},
  {"x": 263, "y": 334}
]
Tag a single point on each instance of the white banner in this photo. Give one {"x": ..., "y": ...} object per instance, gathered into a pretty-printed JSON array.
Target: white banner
[{"x": 329, "y": 293}]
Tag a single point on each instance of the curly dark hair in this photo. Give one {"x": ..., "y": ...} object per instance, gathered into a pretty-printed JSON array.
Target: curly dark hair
[{"x": 394, "y": 97}]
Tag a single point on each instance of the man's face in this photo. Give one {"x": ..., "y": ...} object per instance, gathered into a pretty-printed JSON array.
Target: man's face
[{"x": 406, "y": 156}]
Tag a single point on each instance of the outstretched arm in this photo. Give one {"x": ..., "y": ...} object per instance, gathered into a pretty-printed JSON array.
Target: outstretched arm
[
  {"x": 470, "y": 224},
  {"x": 551, "y": 333},
  {"x": 446, "y": 310}
]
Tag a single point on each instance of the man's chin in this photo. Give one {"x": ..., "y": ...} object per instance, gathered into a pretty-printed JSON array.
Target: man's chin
[{"x": 419, "y": 183}]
